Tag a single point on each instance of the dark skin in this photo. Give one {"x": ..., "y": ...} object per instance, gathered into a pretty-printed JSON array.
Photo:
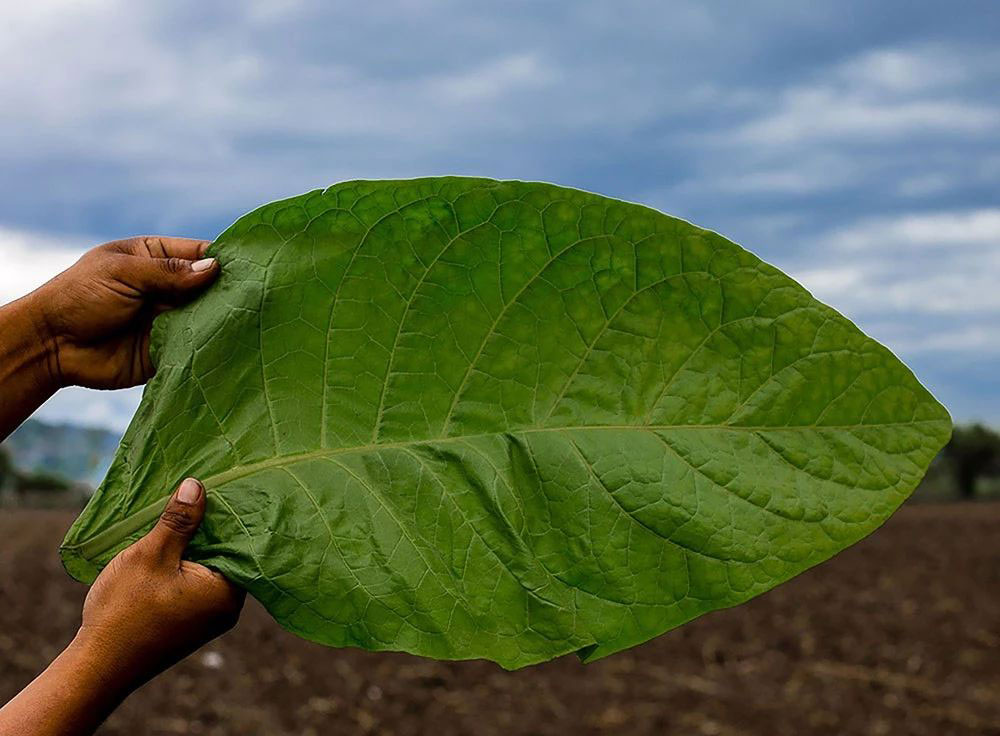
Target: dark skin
[{"x": 149, "y": 608}]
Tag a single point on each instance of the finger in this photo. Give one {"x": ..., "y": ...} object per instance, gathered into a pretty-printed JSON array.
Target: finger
[
  {"x": 178, "y": 522},
  {"x": 165, "y": 276},
  {"x": 158, "y": 246}
]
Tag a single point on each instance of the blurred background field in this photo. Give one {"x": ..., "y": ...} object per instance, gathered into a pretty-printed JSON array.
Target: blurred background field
[{"x": 897, "y": 635}]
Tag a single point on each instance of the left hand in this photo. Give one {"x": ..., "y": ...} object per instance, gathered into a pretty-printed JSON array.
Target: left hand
[{"x": 95, "y": 318}]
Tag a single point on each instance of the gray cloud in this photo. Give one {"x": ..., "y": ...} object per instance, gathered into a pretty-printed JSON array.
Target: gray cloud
[{"x": 795, "y": 128}]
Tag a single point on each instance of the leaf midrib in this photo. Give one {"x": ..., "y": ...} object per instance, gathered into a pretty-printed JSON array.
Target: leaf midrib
[{"x": 107, "y": 539}]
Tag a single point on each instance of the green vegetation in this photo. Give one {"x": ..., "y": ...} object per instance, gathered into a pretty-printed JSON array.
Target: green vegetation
[
  {"x": 42, "y": 481},
  {"x": 476, "y": 419},
  {"x": 18, "y": 481},
  {"x": 967, "y": 468},
  {"x": 972, "y": 454},
  {"x": 6, "y": 467}
]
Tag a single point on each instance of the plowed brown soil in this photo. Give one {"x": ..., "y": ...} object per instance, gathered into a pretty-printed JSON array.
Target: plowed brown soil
[{"x": 898, "y": 635}]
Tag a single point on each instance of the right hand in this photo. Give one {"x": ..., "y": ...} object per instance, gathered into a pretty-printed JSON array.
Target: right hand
[{"x": 149, "y": 608}]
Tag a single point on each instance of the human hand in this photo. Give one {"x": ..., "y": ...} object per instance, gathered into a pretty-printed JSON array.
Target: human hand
[
  {"x": 149, "y": 608},
  {"x": 95, "y": 317}
]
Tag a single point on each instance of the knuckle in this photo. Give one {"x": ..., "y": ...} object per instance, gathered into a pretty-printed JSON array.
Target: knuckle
[
  {"x": 177, "y": 521},
  {"x": 174, "y": 266},
  {"x": 152, "y": 246},
  {"x": 117, "y": 247}
]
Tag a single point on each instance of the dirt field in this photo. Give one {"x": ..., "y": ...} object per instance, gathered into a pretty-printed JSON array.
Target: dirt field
[{"x": 898, "y": 635}]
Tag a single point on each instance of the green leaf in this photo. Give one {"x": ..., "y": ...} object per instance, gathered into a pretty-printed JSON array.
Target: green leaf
[{"x": 467, "y": 418}]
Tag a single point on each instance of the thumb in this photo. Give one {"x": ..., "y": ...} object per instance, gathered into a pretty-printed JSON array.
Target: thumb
[
  {"x": 179, "y": 521},
  {"x": 166, "y": 276}
]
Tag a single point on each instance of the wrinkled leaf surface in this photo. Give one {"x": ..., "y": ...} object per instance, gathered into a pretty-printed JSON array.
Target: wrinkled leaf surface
[{"x": 467, "y": 418}]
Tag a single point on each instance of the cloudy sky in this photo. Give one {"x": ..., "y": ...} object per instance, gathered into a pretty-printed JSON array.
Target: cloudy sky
[{"x": 855, "y": 145}]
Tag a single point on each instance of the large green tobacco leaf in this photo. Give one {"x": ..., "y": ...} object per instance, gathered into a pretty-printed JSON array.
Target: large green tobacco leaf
[{"x": 469, "y": 418}]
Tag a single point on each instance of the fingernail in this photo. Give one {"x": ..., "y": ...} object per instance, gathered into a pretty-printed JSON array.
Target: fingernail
[
  {"x": 203, "y": 265},
  {"x": 189, "y": 491}
]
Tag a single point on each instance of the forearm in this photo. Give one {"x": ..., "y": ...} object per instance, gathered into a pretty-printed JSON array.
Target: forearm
[
  {"x": 26, "y": 370},
  {"x": 72, "y": 697}
]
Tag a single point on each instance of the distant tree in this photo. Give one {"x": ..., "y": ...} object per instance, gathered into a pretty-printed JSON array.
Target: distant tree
[
  {"x": 6, "y": 466},
  {"x": 42, "y": 481},
  {"x": 972, "y": 453}
]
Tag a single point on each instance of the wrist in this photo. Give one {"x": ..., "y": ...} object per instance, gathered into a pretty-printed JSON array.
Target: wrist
[
  {"x": 80, "y": 688},
  {"x": 46, "y": 341},
  {"x": 101, "y": 665},
  {"x": 72, "y": 696},
  {"x": 29, "y": 347}
]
